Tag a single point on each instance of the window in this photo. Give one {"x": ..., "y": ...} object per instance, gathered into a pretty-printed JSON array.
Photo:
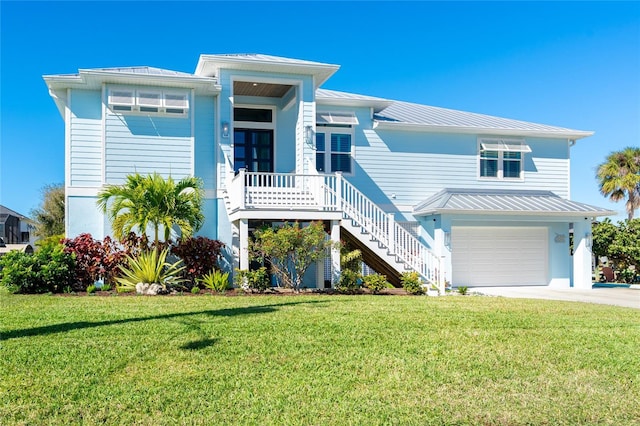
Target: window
[
  {"x": 502, "y": 158},
  {"x": 149, "y": 101},
  {"x": 334, "y": 150}
]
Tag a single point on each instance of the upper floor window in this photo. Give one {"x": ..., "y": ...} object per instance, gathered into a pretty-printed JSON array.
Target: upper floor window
[
  {"x": 334, "y": 150},
  {"x": 502, "y": 158},
  {"x": 149, "y": 101},
  {"x": 334, "y": 141}
]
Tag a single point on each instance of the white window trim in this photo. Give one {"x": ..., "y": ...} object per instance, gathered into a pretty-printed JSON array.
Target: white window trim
[
  {"x": 501, "y": 146},
  {"x": 137, "y": 104},
  {"x": 327, "y": 131}
]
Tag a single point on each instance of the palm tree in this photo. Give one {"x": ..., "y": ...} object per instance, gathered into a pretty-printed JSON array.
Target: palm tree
[
  {"x": 144, "y": 201},
  {"x": 619, "y": 178}
]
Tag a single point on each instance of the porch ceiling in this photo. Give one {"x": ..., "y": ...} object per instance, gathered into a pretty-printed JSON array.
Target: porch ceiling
[{"x": 246, "y": 88}]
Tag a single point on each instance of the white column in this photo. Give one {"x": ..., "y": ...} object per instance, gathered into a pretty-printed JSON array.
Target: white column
[
  {"x": 244, "y": 243},
  {"x": 582, "y": 254},
  {"x": 320, "y": 273},
  {"x": 335, "y": 252},
  {"x": 235, "y": 244}
]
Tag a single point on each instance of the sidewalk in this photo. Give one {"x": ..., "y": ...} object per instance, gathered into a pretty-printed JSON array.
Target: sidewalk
[{"x": 625, "y": 297}]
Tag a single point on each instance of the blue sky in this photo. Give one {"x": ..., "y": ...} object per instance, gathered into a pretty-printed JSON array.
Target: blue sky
[{"x": 574, "y": 64}]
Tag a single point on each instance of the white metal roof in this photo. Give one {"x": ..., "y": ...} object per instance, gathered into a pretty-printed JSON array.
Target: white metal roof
[
  {"x": 145, "y": 71},
  {"x": 519, "y": 202},
  {"x": 210, "y": 65},
  {"x": 93, "y": 79},
  {"x": 406, "y": 114},
  {"x": 334, "y": 97}
]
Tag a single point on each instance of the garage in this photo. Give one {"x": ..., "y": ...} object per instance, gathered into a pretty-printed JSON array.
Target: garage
[{"x": 499, "y": 256}]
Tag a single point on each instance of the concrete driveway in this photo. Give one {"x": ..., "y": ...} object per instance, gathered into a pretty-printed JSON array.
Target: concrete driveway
[{"x": 626, "y": 297}]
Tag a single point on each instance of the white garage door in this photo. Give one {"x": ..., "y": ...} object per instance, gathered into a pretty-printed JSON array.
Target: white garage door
[{"x": 495, "y": 256}]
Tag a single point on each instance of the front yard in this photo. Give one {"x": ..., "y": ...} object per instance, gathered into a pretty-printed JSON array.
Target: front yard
[{"x": 316, "y": 359}]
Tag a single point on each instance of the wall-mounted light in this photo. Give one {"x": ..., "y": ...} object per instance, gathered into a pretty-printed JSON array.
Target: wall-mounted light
[
  {"x": 225, "y": 129},
  {"x": 308, "y": 136},
  {"x": 447, "y": 240}
]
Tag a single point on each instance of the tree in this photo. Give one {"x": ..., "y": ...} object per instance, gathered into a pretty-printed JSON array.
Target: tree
[
  {"x": 152, "y": 201},
  {"x": 619, "y": 178},
  {"x": 604, "y": 233},
  {"x": 290, "y": 249},
  {"x": 49, "y": 216}
]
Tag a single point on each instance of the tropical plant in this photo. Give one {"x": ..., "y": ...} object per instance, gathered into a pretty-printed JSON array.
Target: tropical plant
[
  {"x": 152, "y": 201},
  {"x": 619, "y": 178},
  {"x": 200, "y": 255},
  {"x": 290, "y": 250},
  {"x": 215, "y": 280},
  {"x": 376, "y": 283},
  {"x": 89, "y": 255},
  {"x": 411, "y": 282},
  {"x": 149, "y": 267},
  {"x": 463, "y": 290},
  {"x": 49, "y": 216}
]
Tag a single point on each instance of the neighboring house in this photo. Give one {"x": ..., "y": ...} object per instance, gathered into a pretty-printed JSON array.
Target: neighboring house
[
  {"x": 16, "y": 228},
  {"x": 458, "y": 196}
]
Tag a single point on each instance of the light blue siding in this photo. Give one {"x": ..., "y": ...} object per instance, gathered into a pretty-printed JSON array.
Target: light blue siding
[
  {"x": 413, "y": 166},
  {"x": 205, "y": 141},
  {"x": 86, "y": 138},
  {"x": 146, "y": 144},
  {"x": 84, "y": 217}
]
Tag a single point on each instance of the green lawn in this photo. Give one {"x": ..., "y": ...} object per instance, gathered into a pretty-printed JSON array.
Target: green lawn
[{"x": 321, "y": 360}]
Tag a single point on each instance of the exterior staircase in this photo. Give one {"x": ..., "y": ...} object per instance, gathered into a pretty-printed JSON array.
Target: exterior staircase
[{"x": 386, "y": 246}]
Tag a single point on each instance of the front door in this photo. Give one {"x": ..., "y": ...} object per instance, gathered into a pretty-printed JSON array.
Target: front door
[{"x": 253, "y": 150}]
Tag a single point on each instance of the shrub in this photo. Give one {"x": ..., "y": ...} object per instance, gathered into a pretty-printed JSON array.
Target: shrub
[
  {"x": 200, "y": 255},
  {"x": 463, "y": 290},
  {"x": 195, "y": 290},
  {"x": 290, "y": 250},
  {"x": 376, "y": 283},
  {"x": 149, "y": 267},
  {"x": 18, "y": 272},
  {"x": 89, "y": 255},
  {"x": 349, "y": 281},
  {"x": 257, "y": 280},
  {"x": 411, "y": 282},
  {"x": 105, "y": 287},
  {"x": 215, "y": 280},
  {"x": 91, "y": 289},
  {"x": 50, "y": 269}
]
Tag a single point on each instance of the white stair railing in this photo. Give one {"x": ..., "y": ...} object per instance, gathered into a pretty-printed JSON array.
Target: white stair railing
[
  {"x": 383, "y": 228},
  {"x": 331, "y": 193}
]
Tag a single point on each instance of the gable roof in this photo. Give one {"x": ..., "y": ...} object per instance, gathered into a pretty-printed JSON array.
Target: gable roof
[
  {"x": 501, "y": 201},
  {"x": 7, "y": 211}
]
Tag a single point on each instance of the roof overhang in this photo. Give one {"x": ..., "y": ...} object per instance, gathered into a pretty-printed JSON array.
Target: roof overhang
[
  {"x": 396, "y": 125},
  {"x": 88, "y": 79},
  {"x": 505, "y": 202},
  {"x": 210, "y": 66},
  {"x": 342, "y": 99}
]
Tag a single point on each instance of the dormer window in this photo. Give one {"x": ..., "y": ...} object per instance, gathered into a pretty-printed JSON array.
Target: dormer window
[{"x": 149, "y": 101}]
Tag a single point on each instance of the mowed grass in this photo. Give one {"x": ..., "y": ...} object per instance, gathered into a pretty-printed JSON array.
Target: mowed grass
[{"x": 317, "y": 360}]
